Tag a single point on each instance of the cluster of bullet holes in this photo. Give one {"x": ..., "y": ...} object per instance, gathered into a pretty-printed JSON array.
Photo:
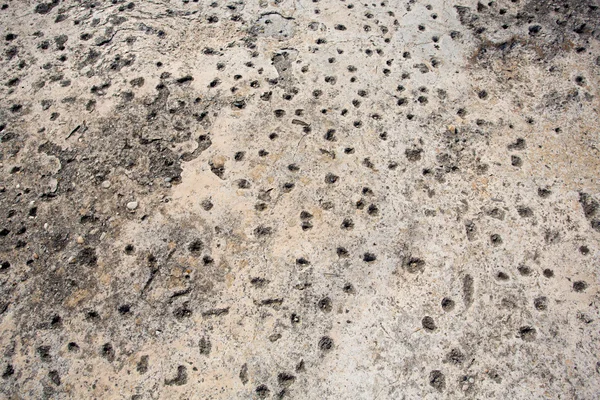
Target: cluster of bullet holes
[{"x": 410, "y": 99}]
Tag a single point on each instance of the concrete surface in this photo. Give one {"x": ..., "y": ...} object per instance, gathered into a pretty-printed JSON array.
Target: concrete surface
[{"x": 299, "y": 199}]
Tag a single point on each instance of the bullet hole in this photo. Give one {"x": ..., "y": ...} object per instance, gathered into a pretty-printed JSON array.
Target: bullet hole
[
  {"x": 437, "y": 380},
  {"x": 413, "y": 154},
  {"x": 124, "y": 309},
  {"x": 293, "y": 168},
  {"x": 182, "y": 312},
  {"x": 471, "y": 230},
  {"x": 455, "y": 356},
  {"x": 87, "y": 256},
  {"x": 302, "y": 261},
  {"x": 129, "y": 249},
  {"x": 262, "y": 231},
  {"x": 369, "y": 257},
  {"x": 5, "y": 265},
  {"x": 326, "y": 344},
  {"x": 580, "y": 286},
  {"x": 285, "y": 379},
  {"x": 108, "y": 352},
  {"x": 259, "y": 282},
  {"x": 414, "y": 265},
  {"x": 347, "y": 224},
  {"x": 330, "y": 135},
  {"x": 204, "y": 346},
  {"x": 306, "y": 225},
  {"x": 548, "y": 273},
  {"x": 341, "y": 252},
  {"x": 180, "y": 379},
  {"x": 502, "y": 276},
  {"x": 373, "y": 210},
  {"x": 331, "y": 178},
  {"x": 495, "y": 239},
  {"x": 541, "y": 303},
  {"x": 142, "y": 365},
  {"x": 527, "y": 333},
  {"x": 448, "y": 304},
  {"x": 584, "y": 250},
  {"x": 295, "y": 319},
  {"x": 544, "y": 193},
  {"x": 534, "y": 30},
  {"x": 262, "y": 391},
  {"x": 348, "y": 288},
  {"x": 54, "y": 377},
  {"x": 455, "y": 35},
  {"x": 519, "y": 144},
  {"x": 287, "y": 187},
  {"x": 8, "y": 371},
  {"x": 207, "y": 205},
  {"x": 580, "y": 80},
  {"x": 73, "y": 347},
  {"x": 196, "y": 246},
  {"x": 239, "y": 104},
  {"x": 360, "y": 204},
  {"x": 325, "y": 305},
  {"x": 243, "y": 184},
  {"x": 584, "y": 318},
  {"x": 524, "y": 270},
  {"x": 428, "y": 324}
]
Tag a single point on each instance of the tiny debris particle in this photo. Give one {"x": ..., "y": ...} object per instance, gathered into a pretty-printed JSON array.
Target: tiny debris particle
[{"x": 132, "y": 205}]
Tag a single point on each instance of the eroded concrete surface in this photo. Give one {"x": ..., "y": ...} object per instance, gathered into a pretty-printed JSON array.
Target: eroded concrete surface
[{"x": 299, "y": 199}]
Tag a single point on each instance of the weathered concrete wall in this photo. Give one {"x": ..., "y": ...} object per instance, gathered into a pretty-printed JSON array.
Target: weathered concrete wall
[{"x": 299, "y": 199}]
